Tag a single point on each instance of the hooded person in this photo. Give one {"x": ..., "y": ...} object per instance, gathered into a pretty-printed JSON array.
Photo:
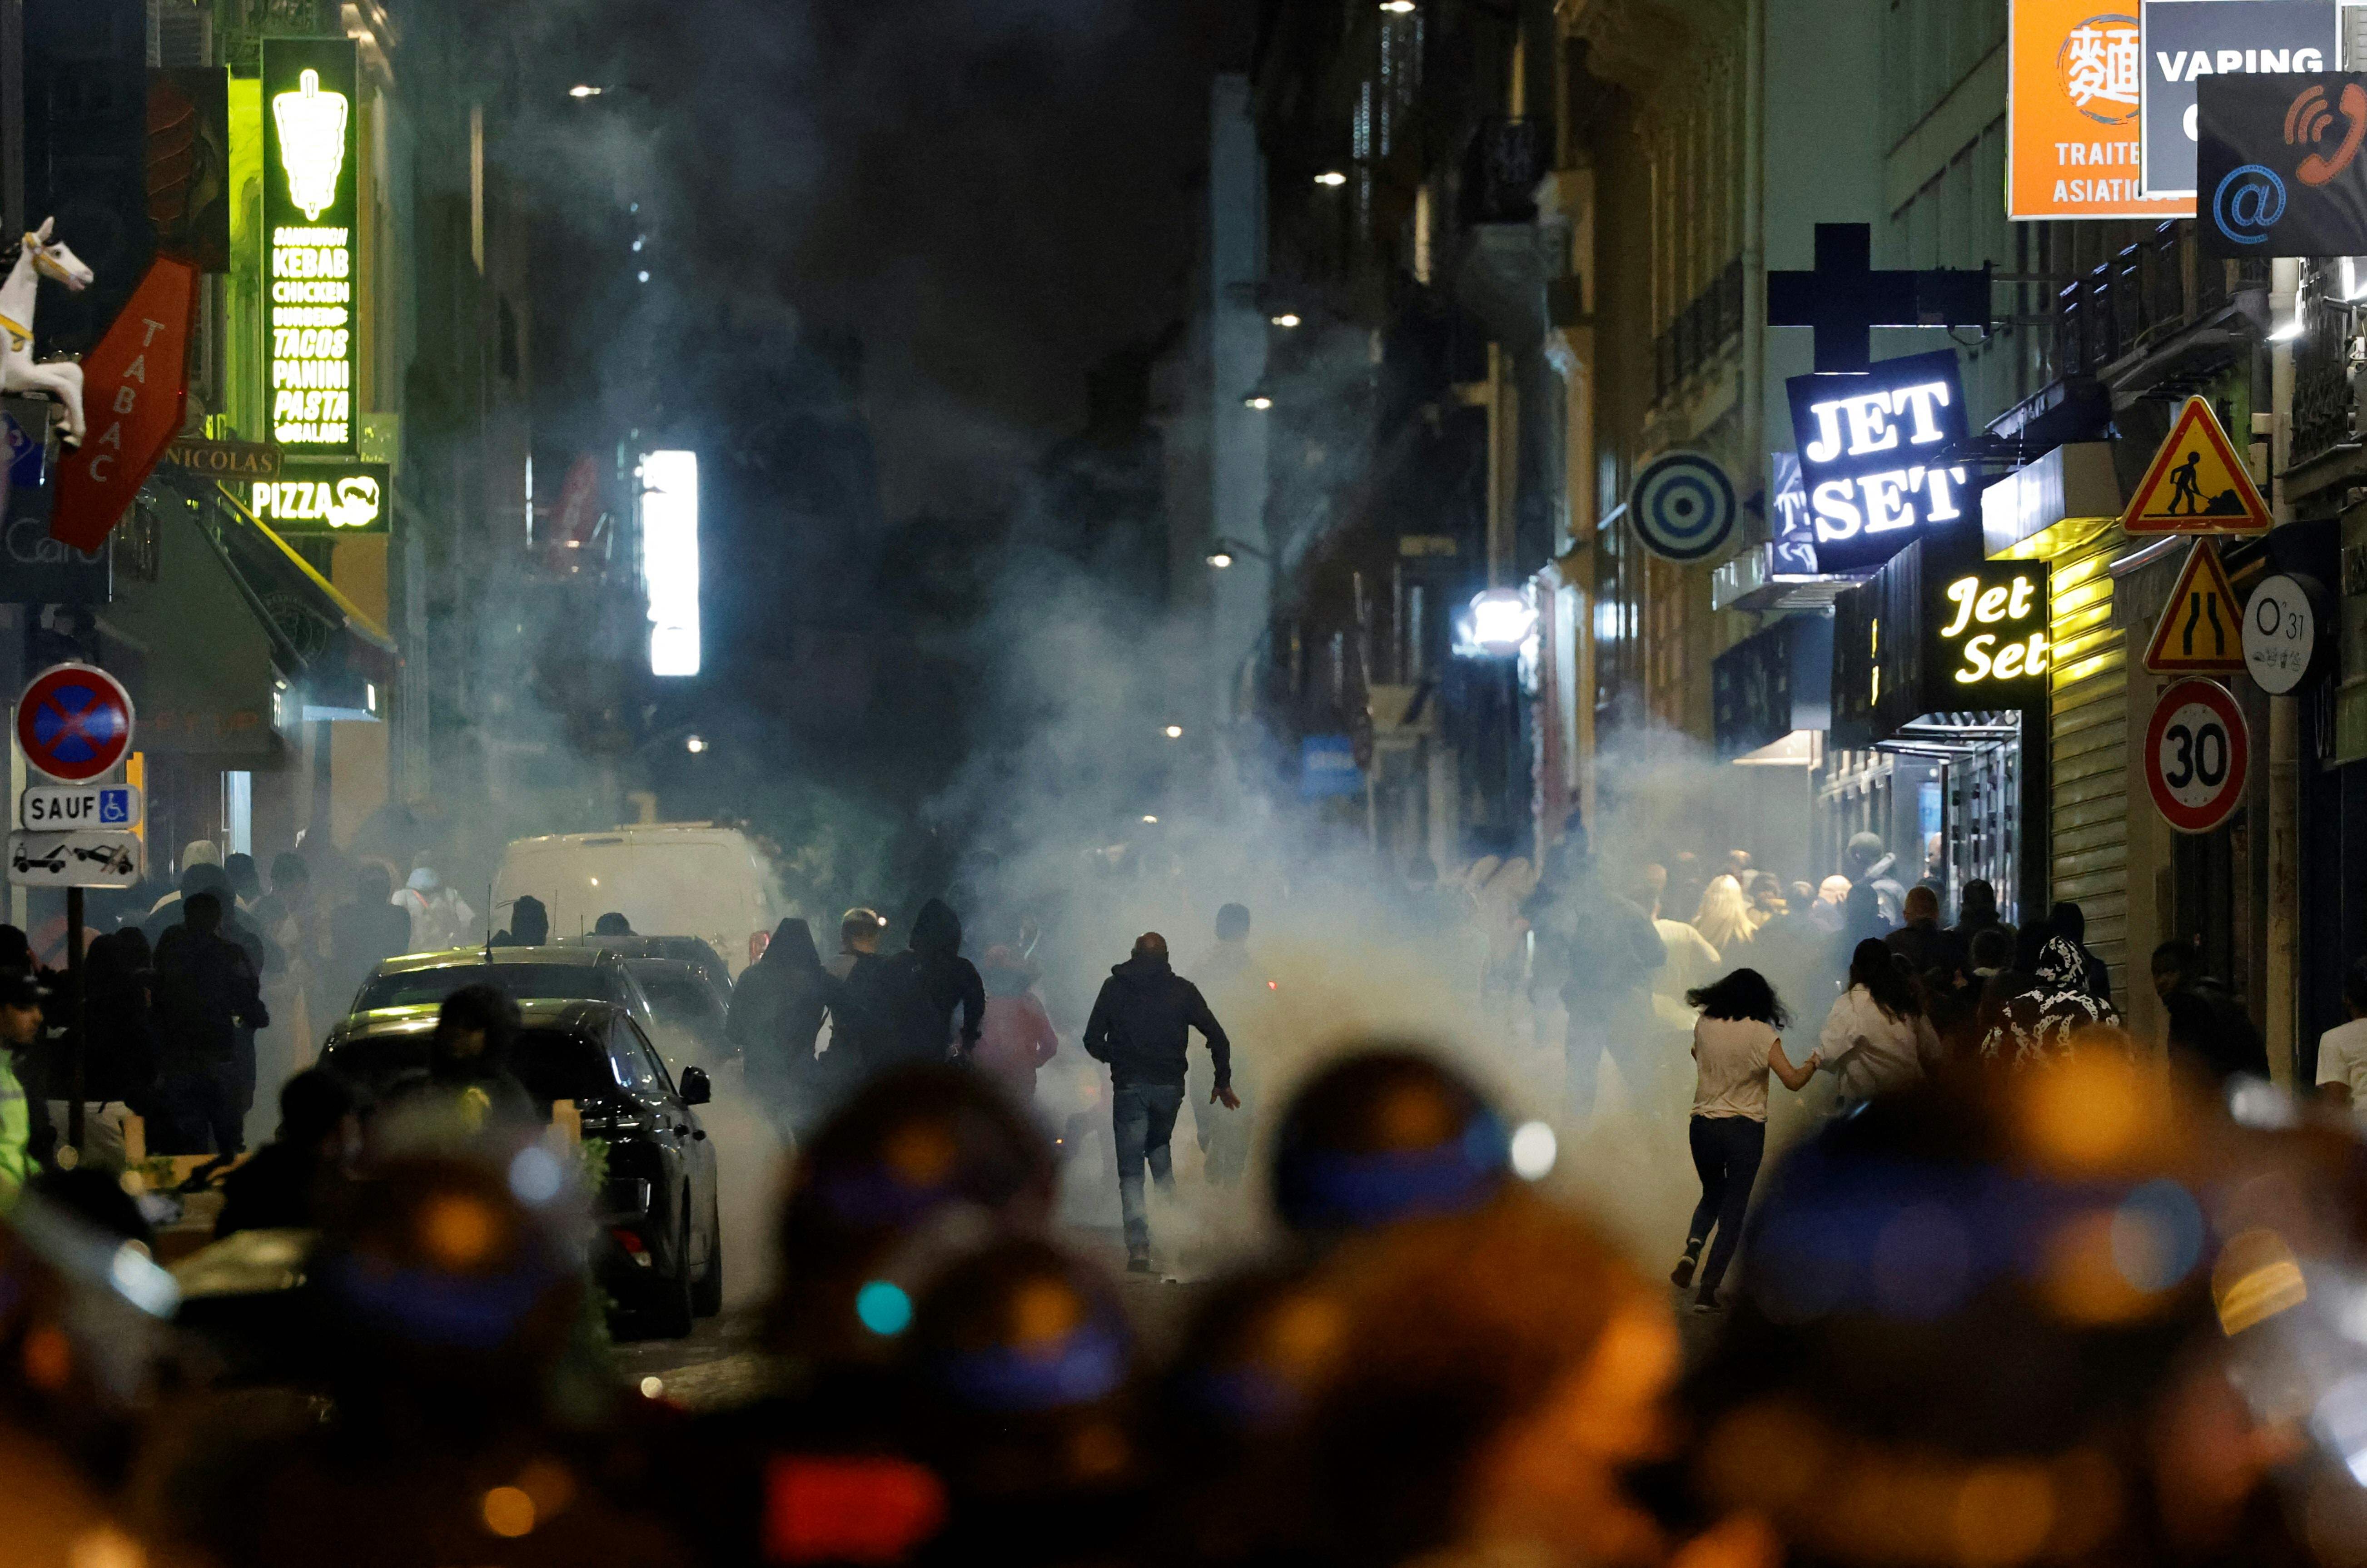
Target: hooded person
[
  {"x": 363, "y": 933},
  {"x": 529, "y": 924},
  {"x": 208, "y": 998},
  {"x": 920, "y": 988},
  {"x": 439, "y": 918},
  {"x": 776, "y": 1013},
  {"x": 1140, "y": 1025},
  {"x": 468, "y": 1086},
  {"x": 1871, "y": 862},
  {"x": 1976, "y": 910},
  {"x": 2039, "y": 1026}
]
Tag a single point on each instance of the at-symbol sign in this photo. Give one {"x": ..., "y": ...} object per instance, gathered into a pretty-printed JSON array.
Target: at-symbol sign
[{"x": 2247, "y": 204}]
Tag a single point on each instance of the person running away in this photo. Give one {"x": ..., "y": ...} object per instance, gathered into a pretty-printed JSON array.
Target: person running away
[
  {"x": 2038, "y": 1025},
  {"x": 1877, "y": 1037},
  {"x": 1738, "y": 1041},
  {"x": 1140, "y": 1026}
]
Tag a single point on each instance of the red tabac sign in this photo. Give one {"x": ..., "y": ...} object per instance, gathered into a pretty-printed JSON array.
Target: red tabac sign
[{"x": 133, "y": 385}]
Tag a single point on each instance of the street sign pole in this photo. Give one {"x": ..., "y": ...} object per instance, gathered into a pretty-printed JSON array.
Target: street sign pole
[{"x": 79, "y": 1016}]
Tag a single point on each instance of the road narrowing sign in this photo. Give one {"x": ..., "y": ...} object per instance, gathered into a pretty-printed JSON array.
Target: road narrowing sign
[
  {"x": 2201, "y": 627},
  {"x": 2198, "y": 753},
  {"x": 74, "y": 722},
  {"x": 2197, "y": 483}
]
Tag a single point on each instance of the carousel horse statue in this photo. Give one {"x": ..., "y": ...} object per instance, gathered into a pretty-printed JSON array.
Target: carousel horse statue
[{"x": 37, "y": 258}]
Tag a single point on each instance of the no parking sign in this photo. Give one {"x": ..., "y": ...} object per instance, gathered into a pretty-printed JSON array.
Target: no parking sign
[{"x": 74, "y": 722}]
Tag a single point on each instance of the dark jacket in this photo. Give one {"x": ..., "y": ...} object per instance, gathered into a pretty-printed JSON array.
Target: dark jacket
[
  {"x": 273, "y": 1191},
  {"x": 1140, "y": 1024},
  {"x": 206, "y": 990},
  {"x": 918, "y": 989},
  {"x": 2210, "y": 1027},
  {"x": 777, "y": 1007},
  {"x": 361, "y": 936},
  {"x": 1927, "y": 947}
]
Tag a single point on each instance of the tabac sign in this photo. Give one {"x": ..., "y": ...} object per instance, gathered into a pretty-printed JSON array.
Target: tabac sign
[{"x": 311, "y": 168}]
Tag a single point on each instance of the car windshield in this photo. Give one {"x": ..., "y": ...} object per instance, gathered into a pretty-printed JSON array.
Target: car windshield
[
  {"x": 553, "y": 1063},
  {"x": 523, "y": 981},
  {"x": 681, "y": 999}
]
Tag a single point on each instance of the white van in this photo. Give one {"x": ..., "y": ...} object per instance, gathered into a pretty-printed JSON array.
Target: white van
[{"x": 667, "y": 878}]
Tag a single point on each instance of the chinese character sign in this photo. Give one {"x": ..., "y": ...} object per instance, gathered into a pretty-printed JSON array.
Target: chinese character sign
[
  {"x": 2074, "y": 71},
  {"x": 312, "y": 172}
]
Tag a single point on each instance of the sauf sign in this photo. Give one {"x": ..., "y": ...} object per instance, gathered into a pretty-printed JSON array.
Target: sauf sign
[{"x": 1872, "y": 456}]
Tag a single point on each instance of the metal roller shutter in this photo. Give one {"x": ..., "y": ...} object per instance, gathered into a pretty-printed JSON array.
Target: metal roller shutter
[{"x": 2088, "y": 743}]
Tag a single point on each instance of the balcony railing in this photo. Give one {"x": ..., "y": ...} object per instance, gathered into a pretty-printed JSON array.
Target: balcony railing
[
  {"x": 2149, "y": 292},
  {"x": 1710, "y": 322}
]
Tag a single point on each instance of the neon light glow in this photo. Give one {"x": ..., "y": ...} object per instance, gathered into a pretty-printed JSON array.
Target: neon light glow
[
  {"x": 670, "y": 559},
  {"x": 312, "y": 263}
]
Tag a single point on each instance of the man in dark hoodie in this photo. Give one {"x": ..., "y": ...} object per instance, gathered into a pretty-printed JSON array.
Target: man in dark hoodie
[
  {"x": 1140, "y": 1026},
  {"x": 917, "y": 991}
]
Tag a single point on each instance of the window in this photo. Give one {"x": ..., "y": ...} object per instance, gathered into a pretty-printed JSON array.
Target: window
[{"x": 520, "y": 982}]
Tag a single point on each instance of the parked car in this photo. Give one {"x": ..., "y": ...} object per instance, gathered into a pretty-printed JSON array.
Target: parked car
[
  {"x": 660, "y": 1252},
  {"x": 667, "y": 876},
  {"x": 416, "y": 983}
]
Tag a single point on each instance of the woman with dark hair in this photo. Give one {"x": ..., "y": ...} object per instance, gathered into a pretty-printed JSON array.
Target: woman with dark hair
[
  {"x": 1878, "y": 1037},
  {"x": 1738, "y": 1041}
]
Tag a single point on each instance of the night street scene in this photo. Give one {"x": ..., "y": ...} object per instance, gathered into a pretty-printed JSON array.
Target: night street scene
[{"x": 1183, "y": 783}]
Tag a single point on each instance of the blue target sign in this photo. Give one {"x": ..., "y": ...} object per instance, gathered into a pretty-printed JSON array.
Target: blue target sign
[{"x": 1682, "y": 507}]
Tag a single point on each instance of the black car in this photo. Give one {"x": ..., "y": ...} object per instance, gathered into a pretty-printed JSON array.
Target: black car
[
  {"x": 416, "y": 983},
  {"x": 660, "y": 1251}
]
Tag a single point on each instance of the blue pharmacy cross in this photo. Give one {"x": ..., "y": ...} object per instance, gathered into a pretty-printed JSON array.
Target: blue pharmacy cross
[{"x": 1845, "y": 299}]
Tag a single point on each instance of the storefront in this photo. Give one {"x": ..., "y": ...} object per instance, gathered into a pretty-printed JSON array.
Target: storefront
[
  {"x": 1941, "y": 665},
  {"x": 1771, "y": 702}
]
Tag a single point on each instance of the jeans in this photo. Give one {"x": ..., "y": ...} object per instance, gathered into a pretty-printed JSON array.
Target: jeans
[
  {"x": 1727, "y": 1151},
  {"x": 1142, "y": 1119},
  {"x": 198, "y": 1111}
]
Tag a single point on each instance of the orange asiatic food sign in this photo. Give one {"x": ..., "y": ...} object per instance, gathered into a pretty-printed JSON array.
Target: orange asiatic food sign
[{"x": 2073, "y": 72}]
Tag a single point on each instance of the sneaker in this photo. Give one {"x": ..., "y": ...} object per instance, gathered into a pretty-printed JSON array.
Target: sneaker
[
  {"x": 1138, "y": 1263},
  {"x": 1682, "y": 1274}
]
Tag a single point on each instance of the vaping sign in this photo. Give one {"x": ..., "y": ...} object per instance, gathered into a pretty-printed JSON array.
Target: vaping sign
[{"x": 311, "y": 166}]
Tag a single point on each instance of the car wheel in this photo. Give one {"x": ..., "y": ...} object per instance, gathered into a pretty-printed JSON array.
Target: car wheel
[
  {"x": 707, "y": 1297},
  {"x": 670, "y": 1316}
]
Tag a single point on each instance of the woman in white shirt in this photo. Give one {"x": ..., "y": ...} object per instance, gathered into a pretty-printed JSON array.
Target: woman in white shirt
[
  {"x": 1877, "y": 1037},
  {"x": 1738, "y": 1041}
]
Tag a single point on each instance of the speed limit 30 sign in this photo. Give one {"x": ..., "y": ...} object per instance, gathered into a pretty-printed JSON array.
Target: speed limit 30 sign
[{"x": 2198, "y": 753}]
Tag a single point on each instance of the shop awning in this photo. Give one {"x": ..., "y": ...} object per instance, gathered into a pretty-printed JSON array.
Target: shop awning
[
  {"x": 337, "y": 663},
  {"x": 1774, "y": 685}
]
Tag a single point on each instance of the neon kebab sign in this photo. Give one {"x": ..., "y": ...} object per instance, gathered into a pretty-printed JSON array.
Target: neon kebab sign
[{"x": 312, "y": 258}]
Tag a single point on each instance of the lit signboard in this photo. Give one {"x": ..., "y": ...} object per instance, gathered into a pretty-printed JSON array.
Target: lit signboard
[
  {"x": 2074, "y": 77},
  {"x": 2189, "y": 42},
  {"x": 311, "y": 153},
  {"x": 321, "y": 498},
  {"x": 670, "y": 559},
  {"x": 1869, "y": 457},
  {"x": 1988, "y": 628}
]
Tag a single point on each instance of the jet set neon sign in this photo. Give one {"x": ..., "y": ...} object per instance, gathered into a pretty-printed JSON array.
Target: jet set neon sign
[
  {"x": 1994, "y": 614},
  {"x": 1870, "y": 450}
]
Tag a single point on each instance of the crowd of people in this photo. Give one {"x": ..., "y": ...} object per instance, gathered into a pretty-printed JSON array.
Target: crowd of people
[{"x": 2077, "y": 1313}]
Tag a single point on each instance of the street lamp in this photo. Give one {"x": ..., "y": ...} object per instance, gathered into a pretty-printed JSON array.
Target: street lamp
[
  {"x": 584, "y": 90},
  {"x": 1223, "y": 552},
  {"x": 1175, "y": 732},
  {"x": 1288, "y": 318},
  {"x": 1502, "y": 621},
  {"x": 1152, "y": 820},
  {"x": 1257, "y": 401},
  {"x": 1331, "y": 177},
  {"x": 695, "y": 744},
  {"x": 1398, "y": 7}
]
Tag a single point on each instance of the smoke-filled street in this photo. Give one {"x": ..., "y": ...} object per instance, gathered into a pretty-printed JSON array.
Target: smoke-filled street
[{"x": 1183, "y": 783}]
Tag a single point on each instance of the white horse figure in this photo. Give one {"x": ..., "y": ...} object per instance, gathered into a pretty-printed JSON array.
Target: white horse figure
[{"x": 61, "y": 378}]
